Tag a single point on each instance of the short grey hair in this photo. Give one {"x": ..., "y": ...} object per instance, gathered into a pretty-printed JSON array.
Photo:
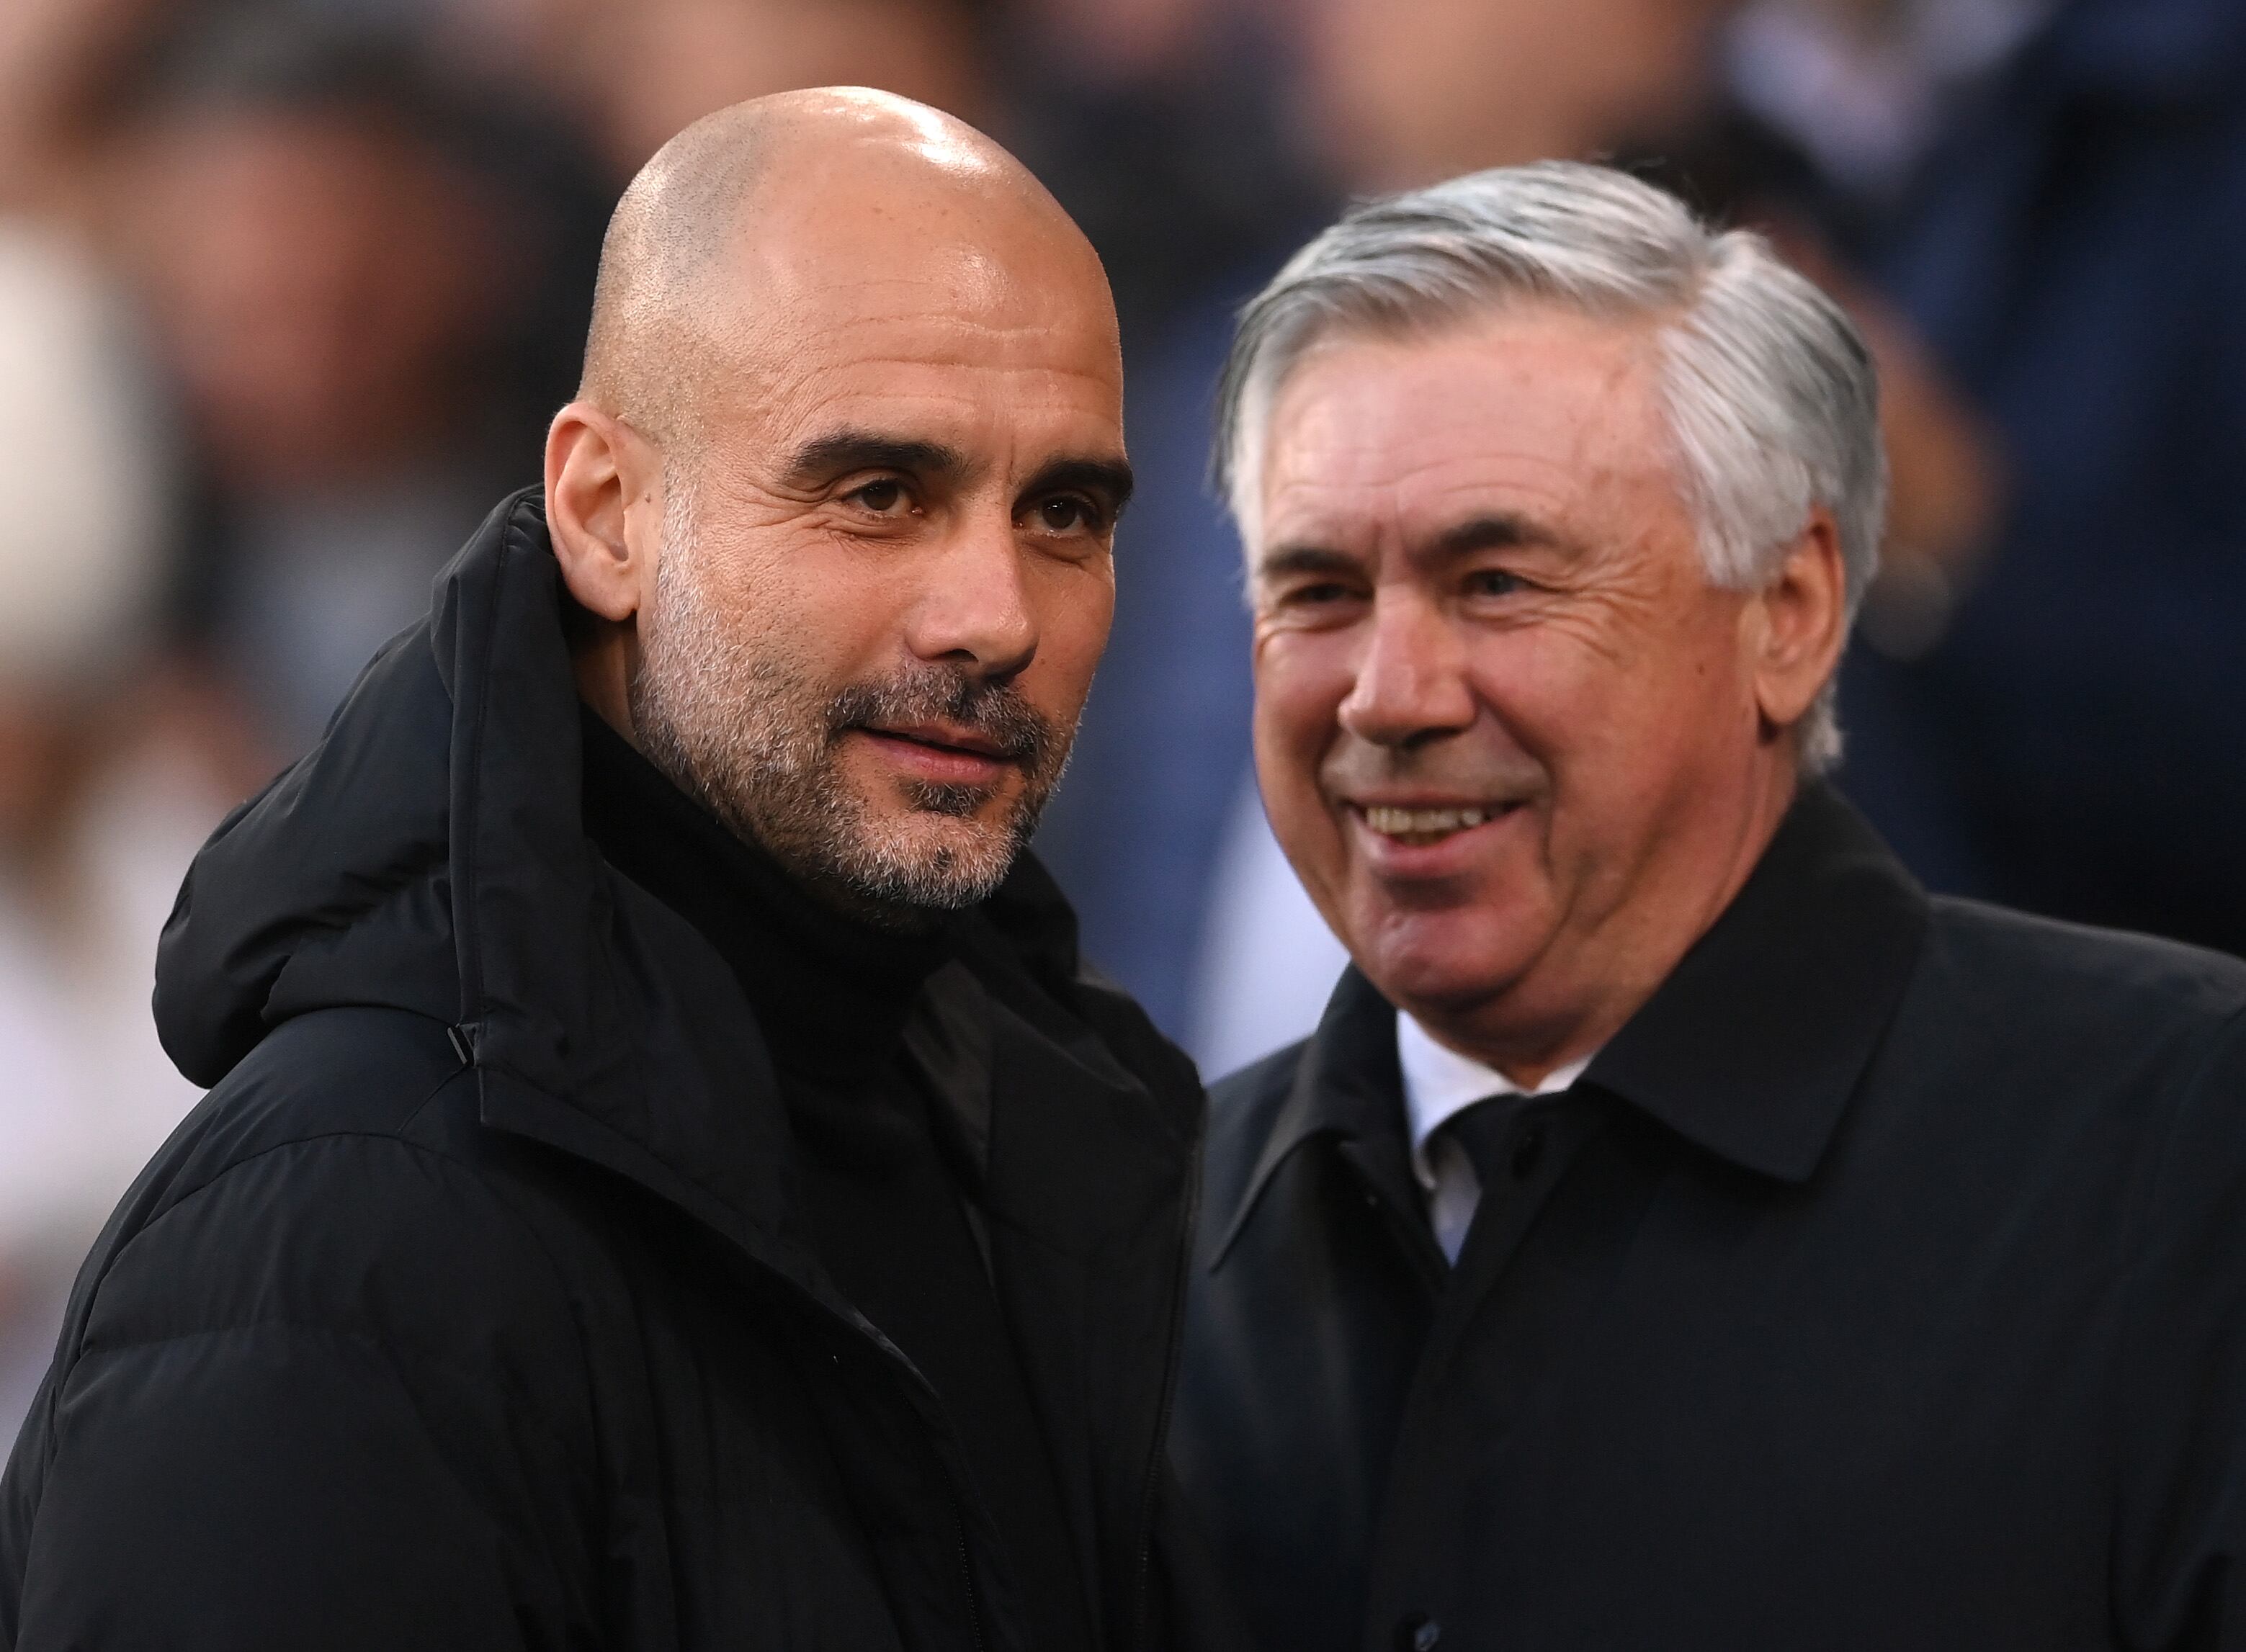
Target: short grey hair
[{"x": 1768, "y": 387}]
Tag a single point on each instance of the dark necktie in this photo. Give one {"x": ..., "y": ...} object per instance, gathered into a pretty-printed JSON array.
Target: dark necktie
[
  {"x": 1501, "y": 1147},
  {"x": 1485, "y": 1130}
]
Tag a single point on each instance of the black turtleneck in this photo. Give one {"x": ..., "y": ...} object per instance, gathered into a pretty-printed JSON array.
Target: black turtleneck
[{"x": 877, "y": 1183}]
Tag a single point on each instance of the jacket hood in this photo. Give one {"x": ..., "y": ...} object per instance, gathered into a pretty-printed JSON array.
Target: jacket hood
[
  {"x": 393, "y": 864},
  {"x": 332, "y": 885}
]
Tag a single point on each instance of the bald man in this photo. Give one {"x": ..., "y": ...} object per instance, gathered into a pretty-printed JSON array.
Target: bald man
[{"x": 665, "y": 1182}]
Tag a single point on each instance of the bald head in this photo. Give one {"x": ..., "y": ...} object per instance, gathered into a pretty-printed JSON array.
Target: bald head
[
  {"x": 837, "y": 505},
  {"x": 738, "y": 222}
]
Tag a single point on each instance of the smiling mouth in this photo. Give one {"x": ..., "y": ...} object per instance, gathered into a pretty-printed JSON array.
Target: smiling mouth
[{"x": 1419, "y": 827}]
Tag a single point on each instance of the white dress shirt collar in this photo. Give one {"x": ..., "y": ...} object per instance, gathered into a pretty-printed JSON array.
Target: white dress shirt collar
[{"x": 1439, "y": 1082}]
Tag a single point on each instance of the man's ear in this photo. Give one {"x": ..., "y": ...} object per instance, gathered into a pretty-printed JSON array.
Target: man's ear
[
  {"x": 1802, "y": 621},
  {"x": 603, "y": 510}
]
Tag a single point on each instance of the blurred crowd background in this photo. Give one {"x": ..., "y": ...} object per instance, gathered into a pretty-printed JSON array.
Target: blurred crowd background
[{"x": 288, "y": 291}]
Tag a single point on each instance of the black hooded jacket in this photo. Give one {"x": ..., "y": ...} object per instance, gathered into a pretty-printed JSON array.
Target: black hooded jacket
[{"x": 468, "y": 1310}]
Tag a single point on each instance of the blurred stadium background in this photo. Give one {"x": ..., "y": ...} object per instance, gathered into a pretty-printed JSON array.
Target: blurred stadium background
[{"x": 288, "y": 292}]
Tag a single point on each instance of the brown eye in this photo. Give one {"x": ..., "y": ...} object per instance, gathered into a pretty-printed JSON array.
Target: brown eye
[
  {"x": 1064, "y": 514},
  {"x": 881, "y": 497}
]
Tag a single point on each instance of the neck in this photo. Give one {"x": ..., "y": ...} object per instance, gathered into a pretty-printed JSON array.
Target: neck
[{"x": 602, "y": 656}]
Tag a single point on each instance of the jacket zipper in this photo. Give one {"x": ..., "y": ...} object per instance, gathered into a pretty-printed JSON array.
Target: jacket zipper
[
  {"x": 911, "y": 1372},
  {"x": 895, "y": 1357},
  {"x": 966, "y": 1576}
]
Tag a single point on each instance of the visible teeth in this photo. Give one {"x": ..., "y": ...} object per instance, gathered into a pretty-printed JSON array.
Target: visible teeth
[{"x": 1415, "y": 823}]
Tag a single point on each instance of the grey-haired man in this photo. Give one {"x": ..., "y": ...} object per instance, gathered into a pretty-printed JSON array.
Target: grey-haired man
[{"x": 1682, "y": 1232}]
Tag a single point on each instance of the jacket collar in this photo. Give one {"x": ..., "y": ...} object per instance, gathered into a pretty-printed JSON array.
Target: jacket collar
[
  {"x": 1754, "y": 1043},
  {"x": 1346, "y": 1088},
  {"x": 1751, "y": 1049},
  {"x": 591, "y": 1002},
  {"x": 601, "y": 1022}
]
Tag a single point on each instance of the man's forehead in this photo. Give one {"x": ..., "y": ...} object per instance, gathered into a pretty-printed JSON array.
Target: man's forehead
[
  {"x": 898, "y": 410},
  {"x": 795, "y": 307},
  {"x": 854, "y": 217},
  {"x": 1532, "y": 416},
  {"x": 911, "y": 360},
  {"x": 1533, "y": 380},
  {"x": 953, "y": 381}
]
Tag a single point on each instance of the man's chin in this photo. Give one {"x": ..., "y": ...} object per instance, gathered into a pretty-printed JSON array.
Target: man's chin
[
  {"x": 1443, "y": 959},
  {"x": 909, "y": 862}
]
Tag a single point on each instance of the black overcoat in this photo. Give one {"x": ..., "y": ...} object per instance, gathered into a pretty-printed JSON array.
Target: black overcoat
[
  {"x": 466, "y": 1311},
  {"x": 1882, "y": 1285}
]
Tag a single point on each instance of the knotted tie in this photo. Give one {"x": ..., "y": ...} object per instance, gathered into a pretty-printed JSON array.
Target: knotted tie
[
  {"x": 1498, "y": 1147},
  {"x": 1485, "y": 1130}
]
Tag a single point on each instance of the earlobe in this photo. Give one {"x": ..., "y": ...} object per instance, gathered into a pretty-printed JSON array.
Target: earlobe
[{"x": 592, "y": 469}]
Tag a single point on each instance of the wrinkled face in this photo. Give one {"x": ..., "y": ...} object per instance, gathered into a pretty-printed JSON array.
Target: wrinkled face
[
  {"x": 1504, "y": 725},
  {"x": 885, "y": 576}
]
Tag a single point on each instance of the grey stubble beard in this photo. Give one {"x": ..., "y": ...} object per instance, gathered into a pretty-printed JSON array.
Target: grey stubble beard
[{"x": 738, "y": 726}]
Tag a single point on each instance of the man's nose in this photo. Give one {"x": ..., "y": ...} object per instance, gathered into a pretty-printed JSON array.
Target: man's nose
[
  {"x": 1411, "y": 680},
  {"x": 974, "y": 610}
]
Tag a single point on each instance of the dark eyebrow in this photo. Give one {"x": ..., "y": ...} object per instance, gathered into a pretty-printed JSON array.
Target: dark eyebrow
[
  {"x": 1109, "y": 479},
  {"x": 841, "y": 452},
  {"x": 1304, "y": 559},
  {"x": 1499, "y": 532},
  {"x": 1475, "y": 534}
]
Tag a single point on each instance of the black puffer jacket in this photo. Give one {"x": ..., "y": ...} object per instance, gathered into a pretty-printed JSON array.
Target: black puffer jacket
[{"x": 466, "y": 1310}]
